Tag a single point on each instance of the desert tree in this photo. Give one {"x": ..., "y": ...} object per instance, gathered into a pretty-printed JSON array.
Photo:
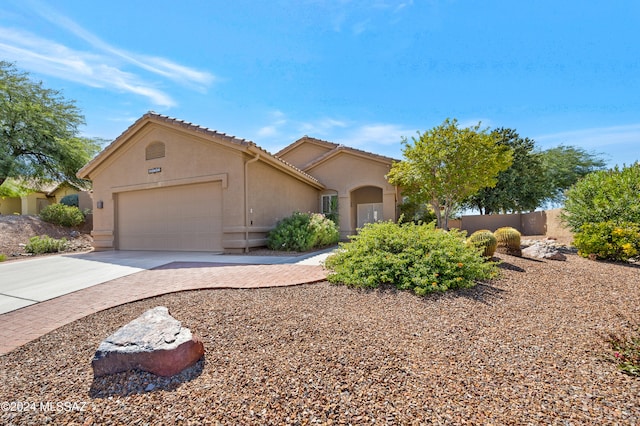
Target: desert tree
[
  {"x": 448, "y": 163},
  {"x": 39, "y": 131}
]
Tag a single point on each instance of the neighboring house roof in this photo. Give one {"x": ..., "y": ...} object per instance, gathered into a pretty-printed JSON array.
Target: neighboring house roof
[
  {"x": 45, "y": 187},
  {"x": 334, "y": 149},
  {"x": 238, "y": 143}
]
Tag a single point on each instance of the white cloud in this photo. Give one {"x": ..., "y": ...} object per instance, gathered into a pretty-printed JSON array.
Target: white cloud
[
  {"x": 272, "y": 130},
  {"x": 368, "y": 135},
  {"x": 50, "y": 58},
  {"x": 160, "y": 66},
  {"x": 103, "y": 66},
  {"x": 320, "y": 127},
  {"x": 595, "y": 137}
]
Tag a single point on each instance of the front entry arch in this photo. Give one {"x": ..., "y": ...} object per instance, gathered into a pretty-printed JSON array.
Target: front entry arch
[{"x": 366, "y": 206}]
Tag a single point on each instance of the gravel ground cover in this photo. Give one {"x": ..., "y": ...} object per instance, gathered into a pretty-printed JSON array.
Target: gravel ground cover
[
  {"x": 528, "y": 348},
  {"x": 15, "y": 231}
]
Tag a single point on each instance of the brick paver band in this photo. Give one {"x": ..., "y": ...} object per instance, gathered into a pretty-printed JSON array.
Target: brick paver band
[{"x": 26, "y": 324}]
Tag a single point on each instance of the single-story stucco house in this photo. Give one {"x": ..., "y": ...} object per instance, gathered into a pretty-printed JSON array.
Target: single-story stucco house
[
  {"x": 40, "y": 196},
  {"x": 166, "y": 184}
]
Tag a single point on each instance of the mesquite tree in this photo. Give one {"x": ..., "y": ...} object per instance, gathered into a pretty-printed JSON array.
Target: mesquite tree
[{"x": 39, "y": 131}]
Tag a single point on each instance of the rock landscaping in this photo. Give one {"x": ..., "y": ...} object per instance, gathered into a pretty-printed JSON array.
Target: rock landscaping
[
  {"x": 154, "y": 342},
  {"x": 16, "y": 230},
  {"x": 543, "y": 250},
  {"x": 528, "y": 348}
]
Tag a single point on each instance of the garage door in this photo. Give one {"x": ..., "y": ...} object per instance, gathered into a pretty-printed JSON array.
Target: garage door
[{"x": 186, "y": 218}]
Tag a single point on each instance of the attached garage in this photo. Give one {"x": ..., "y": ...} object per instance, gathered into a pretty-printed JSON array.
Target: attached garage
[
  {"x": 181, "y": 217},
  {"x": 166, "y": 184}
]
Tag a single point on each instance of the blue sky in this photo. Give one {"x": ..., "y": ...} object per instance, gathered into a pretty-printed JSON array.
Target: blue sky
[{"x": 360, "y": 73}]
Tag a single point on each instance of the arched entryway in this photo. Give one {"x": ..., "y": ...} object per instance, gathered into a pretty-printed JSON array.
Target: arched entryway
[{"x": 366, "y": 206}]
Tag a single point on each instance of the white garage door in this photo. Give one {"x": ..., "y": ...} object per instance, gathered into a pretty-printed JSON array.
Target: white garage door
[{"x": 186, "y": 218}]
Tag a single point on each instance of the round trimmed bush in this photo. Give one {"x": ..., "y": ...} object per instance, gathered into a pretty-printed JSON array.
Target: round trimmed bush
[
  {"x": 413, "y": 257},
  {"x": 62, "y": 215},
  {"x": 302, "y": 232}
]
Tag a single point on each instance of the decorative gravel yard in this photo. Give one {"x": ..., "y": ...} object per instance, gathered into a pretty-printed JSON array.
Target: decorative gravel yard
[{"x": 528, "y": 348}]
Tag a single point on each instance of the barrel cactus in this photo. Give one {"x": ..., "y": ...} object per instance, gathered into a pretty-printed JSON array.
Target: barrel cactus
[
  {"x": 508, "y": 241},
  {"x": 485, "y": 239}
]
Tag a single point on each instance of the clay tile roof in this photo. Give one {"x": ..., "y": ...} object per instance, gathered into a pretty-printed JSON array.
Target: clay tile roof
[
  {"x": 343, "y": 148},
  {"x": 200, "y": 129},
  {"x": 193, "y": 127},
  {"x": 229, "y": 138}
]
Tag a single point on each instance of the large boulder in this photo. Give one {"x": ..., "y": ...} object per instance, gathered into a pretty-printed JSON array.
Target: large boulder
[
  {"x": 543, "y": 250},
  {"x": 154, "y": 342}
]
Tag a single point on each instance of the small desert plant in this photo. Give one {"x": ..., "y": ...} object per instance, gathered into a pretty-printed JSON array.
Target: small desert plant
[
  {"x": 626, "y": 348},
  {"x": 484, "y": 239},
  {"x": 302, "y": 232},
  {"x": 45, "y": 244},
  {"x": 409, "y": 256},
  {"x": 608, "y": 240},
  {"x": 62, "y": 215},
  {"x": 508, "y": 241},
  {"x": 3, "y": 257}
]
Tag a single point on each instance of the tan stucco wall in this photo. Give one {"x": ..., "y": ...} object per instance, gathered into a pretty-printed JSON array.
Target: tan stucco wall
[
  {"x": 63, "y": 191},
  {"x": 345, "y": 173},
  {"x": 556, "y": 228},
  {"x": 304, "y": 153},
  {"x": 274, "y": 195},
  {"x": 84, "y": 201},
  {"x": 34, "y": 202},
  {"x": 535, "y": 223},
  {"x": 188, "y": 159},
  {"x": 192, "y": 158},
  {"x": 10, "y": 205}
]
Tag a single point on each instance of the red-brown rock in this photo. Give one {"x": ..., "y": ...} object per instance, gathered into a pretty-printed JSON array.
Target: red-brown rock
[{"x": 154, "y": 342}]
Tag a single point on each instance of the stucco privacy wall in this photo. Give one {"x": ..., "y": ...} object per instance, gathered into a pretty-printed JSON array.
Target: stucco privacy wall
[
  {"x": 227, "y": 171},
  {"x": 535, "y": 223}
]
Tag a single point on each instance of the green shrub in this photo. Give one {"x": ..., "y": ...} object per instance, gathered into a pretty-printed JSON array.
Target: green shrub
[
  {"x": 62, "y": 215},
  {"x": 604, "y": 196},
  {"x": 3, "y": 257},
  {"x": 485, "y": 240},
  {"x": 608, "y": 240},
  {"x": 45, "y": 244},
  {"x": 413, "y": 257},
  {"x": 302, "y": 232},
  {"x": 70, "y": 200},
  {"x": 416, "y": 213}
]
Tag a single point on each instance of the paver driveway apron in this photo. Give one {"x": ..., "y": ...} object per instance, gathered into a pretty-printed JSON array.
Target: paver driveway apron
[{"x": 23, "y": 283}]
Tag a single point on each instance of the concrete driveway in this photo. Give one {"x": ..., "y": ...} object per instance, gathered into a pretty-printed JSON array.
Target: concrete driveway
[{"x": 25, "y": 282}]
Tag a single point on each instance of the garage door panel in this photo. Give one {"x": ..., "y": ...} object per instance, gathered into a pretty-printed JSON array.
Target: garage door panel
[{"x": 186, "y": 218}]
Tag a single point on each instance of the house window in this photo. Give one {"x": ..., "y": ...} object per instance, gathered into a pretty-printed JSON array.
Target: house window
[
  {"x": 330, "y": 206},
  {"x": 154, "y": 150}
]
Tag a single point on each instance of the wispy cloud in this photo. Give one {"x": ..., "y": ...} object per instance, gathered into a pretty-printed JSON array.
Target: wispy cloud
[
  {"x": 102, "y": 65},
  {"x": 278, "y": 120},
  {"x": 595, "y": 137},
  {"x": 377, "y": 134},
  {"x": 359, "y": 16}
]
